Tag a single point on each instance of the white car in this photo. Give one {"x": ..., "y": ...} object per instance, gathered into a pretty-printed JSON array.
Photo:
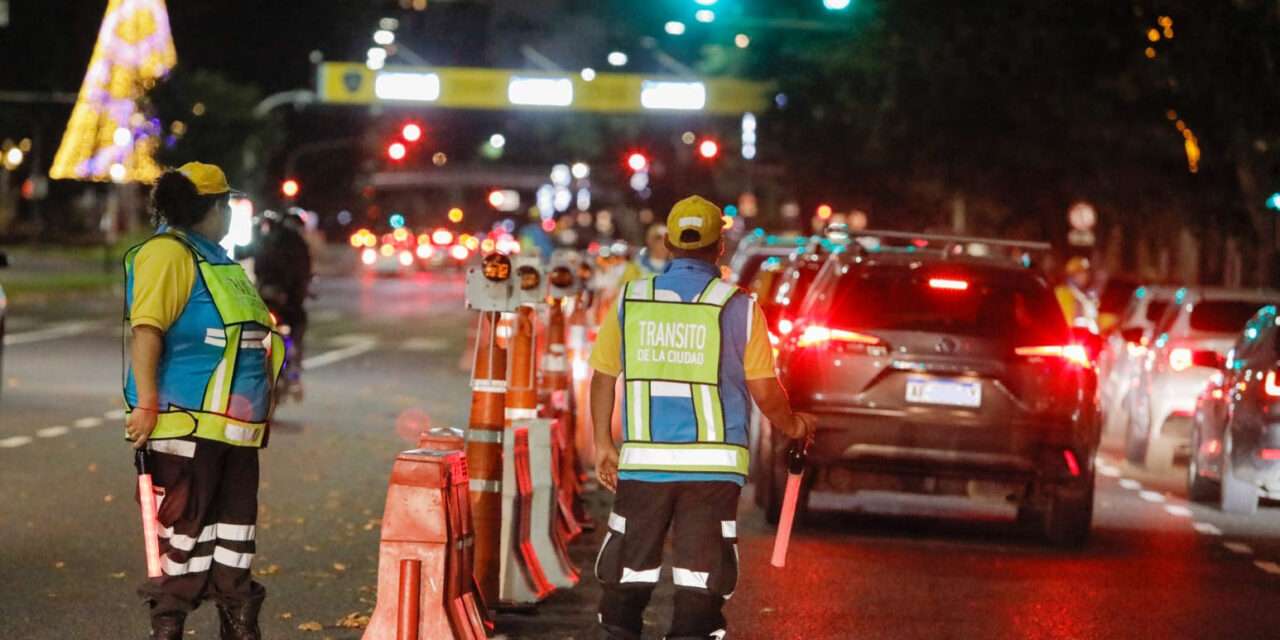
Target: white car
[
  {"x": 1126, "y": 348},
  {"x": 1190, "y": 340}
]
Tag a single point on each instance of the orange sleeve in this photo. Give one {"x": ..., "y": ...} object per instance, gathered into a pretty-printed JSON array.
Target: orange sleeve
[
  {"x": 606, "y": 355},
  {"x": 757, "y": 357}
]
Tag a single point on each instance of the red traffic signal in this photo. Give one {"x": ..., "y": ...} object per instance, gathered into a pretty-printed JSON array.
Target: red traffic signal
[
  {"x": 289, "y": 188},
  {"x": 397, "y": 151},
  {"x": 708, "y": 149},
  {"x": 637, "y": 161},
  {"x": 411, "y": 132}
]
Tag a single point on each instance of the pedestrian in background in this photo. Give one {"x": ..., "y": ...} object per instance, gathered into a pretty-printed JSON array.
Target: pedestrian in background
[
  {"x": 203, "y": 363},
  {"x": 693, "y": 352}
]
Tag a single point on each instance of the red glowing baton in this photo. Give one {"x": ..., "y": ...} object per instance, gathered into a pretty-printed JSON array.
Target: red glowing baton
[
  {"x": 795, "y": 473},
  {"x": 150, "y": 525}
]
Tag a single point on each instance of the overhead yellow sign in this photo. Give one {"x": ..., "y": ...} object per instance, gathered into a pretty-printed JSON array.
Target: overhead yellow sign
[{"x": 504, "y": 89}]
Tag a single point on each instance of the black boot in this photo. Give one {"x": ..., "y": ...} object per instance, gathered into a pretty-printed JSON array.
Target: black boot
[
  {"x": 167, "y": 626},
  {"x": 240, "y": 622}
]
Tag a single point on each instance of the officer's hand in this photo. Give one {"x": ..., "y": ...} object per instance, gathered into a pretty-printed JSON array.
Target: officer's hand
[
  {"x": 141, "y": 423},
  {"x": 607, "y": 465},
  {"x": 803, "y": 426}
]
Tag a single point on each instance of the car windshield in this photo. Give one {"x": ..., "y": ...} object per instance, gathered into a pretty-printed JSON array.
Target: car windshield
[
  {"x": 751, "y": 265},
  {"x": 1001, "y": 306},
  {"x": 1115, "y": 295},
  {"x": 1156, "y": 309},
  {"x": 1223, "y": 316}
]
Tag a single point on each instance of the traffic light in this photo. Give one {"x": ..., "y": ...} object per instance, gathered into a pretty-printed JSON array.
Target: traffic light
[
  {"x": 637, "y": 161},
  {"x": 708, "y": 149},
  {"x": 289, "y": 188},
  {"x": 411, "y": 132},
  {"x": 397, "y": 151}
]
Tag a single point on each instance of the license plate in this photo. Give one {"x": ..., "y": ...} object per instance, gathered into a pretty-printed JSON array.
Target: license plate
[{"x": 953, "y": 393}]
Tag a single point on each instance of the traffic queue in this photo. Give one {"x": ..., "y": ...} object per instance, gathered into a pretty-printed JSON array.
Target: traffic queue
[{"x": 817, "y": 368}]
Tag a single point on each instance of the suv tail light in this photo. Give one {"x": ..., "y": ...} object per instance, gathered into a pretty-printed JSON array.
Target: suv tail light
[
  {"x": 819, "y": 336},
  {"x": 1180, "y": 359},
  {"x": 949, "y": 284},
  {"x": 1072, "y": 353},
  {"x": 1270, "y": 385}
]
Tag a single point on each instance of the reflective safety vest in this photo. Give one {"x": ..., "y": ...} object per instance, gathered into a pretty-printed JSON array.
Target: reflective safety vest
[
  {"x": 1079, "y": 309},
  {"x": 221, "y": 356},
  {"x": 671, "y": 352}
]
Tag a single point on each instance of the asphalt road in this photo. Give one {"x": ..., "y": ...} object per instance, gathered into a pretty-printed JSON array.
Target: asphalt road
[{"x": 386, "y": 361}]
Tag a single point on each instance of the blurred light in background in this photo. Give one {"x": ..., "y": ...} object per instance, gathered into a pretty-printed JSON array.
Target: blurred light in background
[
  {"x": 580, "y": 170},
  {"x": 384, "y": 37},
  {"x": 705, "y": 16},
  {"x": 675, "y": 27},
  {"x": 588, "y": 74}
]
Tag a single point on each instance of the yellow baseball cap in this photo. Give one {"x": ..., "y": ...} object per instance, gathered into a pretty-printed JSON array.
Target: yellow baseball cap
[
  {"x": 696, "y": 214},
  {"x": 208, "y": 178}
]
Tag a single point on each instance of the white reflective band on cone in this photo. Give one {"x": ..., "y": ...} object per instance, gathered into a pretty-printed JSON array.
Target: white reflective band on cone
[
  {"x": 519, "y": 414},
  {"x": 485, "y": 486},
  {"x": 729, "y": 528},
  {"x": 489, "y": 436},
  {"x": 229, "y": 558},
  {"x": 553, "y": 363},
  {"x": 557, "y": 349},
  {"x": 647, "y": 576},
  {"x": 489, "y": 385},
  {"x": 687, "y": 578},
  {"x": 617, "y": 523},
  {"x": 236, "y": 532}
]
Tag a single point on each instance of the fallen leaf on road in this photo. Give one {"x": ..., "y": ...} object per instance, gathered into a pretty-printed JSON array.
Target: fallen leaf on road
[
  {"x": 108, "y": 498},
  {"x": 93, "y": 466},
  {"x": 338, "y": 566},
  {"x": 368, "y": 526},
  {"x": 310, "y": 547},
  {"x": 286, "y": 615},
  {"x": 119, "y": 576},
  {"x": 268, "y": 570},
  {"x": 311, "y": 626},
  {"x": 354, "y": 620},
  {"x": 59, "y": 564}
]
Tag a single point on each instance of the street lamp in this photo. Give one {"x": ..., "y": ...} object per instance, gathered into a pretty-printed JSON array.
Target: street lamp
[{"x": 836, "y": 5}]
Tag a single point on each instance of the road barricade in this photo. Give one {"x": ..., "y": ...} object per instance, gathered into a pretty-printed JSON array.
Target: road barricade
[{"x": 421, "y": 559}]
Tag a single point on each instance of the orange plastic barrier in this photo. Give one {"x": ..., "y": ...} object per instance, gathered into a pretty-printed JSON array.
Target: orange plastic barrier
[
  {"x": 463, "y": 591},
  {"x": 555, "y": 387},
  {"x": 422, "y": 537}
]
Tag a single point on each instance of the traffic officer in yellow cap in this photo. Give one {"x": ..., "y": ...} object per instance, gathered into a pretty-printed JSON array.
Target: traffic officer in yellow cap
[
  {"x": 693, "y": 352},
  {"x": 203, "y": 364},
  {"x": 1078, "y": 304}
]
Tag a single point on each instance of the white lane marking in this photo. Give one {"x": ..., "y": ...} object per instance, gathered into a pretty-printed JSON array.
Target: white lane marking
[
  {"x": 114, "y": 414},
  {"x": 62, "y": 330},
  {"x": 326, "y": 315},
  {"x": 351, "y": 339},
  {"x": 1238, "y": 547},
  {"x": 1109, "y": 471},
  {"x": 87, "y": 423},
  {"x": 1177, "y": 510},
  {"x": 14, "y": 442},
  {"x": 425, "y": 344},
  {"x": 52, "y": 432},
  {"x": 1130, "y": 484},
  {"x": 1207, "y": 529},
  {"x": 1151, "y": 496},
  {"x": 1268, "y": 566},
  {"x": 338, "y": 355}
]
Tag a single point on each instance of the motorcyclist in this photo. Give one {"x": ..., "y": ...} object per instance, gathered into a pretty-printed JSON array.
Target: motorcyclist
[{"x": 284, "y": 271}]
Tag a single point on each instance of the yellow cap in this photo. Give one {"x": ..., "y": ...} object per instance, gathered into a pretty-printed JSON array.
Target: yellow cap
[
  {"x": 208, "y": 178},
  {"x": 697, "y": 214}
]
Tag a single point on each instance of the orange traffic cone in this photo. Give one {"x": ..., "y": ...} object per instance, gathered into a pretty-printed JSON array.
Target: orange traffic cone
[
  {"x": 564, "y": 458},
  {"x": 484, "y": 452}
]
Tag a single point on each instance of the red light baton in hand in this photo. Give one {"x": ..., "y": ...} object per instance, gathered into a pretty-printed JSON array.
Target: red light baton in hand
[
  {"x": 795, "y": 473},
  {"x": 150, "y": 524}
]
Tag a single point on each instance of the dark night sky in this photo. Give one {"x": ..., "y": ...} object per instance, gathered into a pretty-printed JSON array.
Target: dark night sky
[{"x": 261, "y": 42}]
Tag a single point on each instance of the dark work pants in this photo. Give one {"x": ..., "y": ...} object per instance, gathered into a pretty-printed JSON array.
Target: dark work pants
[
  {"x": 702, "y": 517},
  {"x": 207, "y": 519}
]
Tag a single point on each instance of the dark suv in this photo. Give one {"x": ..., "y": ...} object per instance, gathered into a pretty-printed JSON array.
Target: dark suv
[{"x": 935, "y": 371}]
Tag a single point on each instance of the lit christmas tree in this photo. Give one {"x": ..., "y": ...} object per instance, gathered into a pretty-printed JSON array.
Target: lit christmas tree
[{"x": 108, "y": 137}]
